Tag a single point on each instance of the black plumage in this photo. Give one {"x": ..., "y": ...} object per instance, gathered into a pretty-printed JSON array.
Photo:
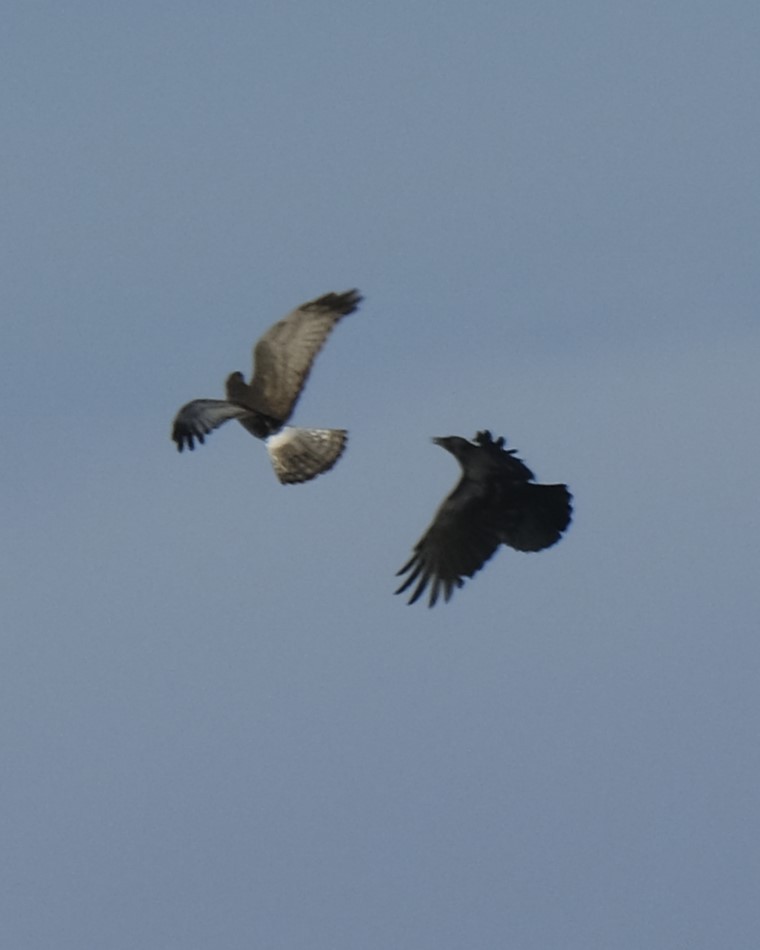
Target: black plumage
[{"x": 495, "y": 502}]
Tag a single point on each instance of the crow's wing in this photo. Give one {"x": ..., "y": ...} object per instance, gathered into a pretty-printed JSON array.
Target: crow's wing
[
  {"x": 461, "y": 538},
  {"x": 510, "y": 464},
  {"x": 283, "y": 357},
  {"x": 197, "y": 418},
  {"x": 535, "y": 517}
]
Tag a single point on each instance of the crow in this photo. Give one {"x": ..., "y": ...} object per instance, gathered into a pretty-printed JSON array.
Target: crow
[
  {"x": 282, "y": 361},
  {"x": 496, "y": 502}
]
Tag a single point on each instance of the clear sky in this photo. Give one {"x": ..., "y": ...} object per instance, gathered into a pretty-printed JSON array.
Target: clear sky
[{"x": 218, "y": 726}]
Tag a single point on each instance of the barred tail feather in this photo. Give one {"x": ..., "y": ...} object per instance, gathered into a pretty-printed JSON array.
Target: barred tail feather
[{"x": 299, "y": 455}]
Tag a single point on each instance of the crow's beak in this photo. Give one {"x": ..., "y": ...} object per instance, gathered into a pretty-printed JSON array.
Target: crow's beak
[{"x": 444, "y": 441}]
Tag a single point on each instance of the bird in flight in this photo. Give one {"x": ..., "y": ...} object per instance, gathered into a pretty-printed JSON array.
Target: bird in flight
[
  {"x": 496, "y": 502},
  {"x": 282, "y": 361}
]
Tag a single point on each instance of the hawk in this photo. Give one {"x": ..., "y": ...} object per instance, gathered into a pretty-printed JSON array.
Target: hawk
[
  {"x": 496, "y": 502},
  {"x": 282, "y": 361}
]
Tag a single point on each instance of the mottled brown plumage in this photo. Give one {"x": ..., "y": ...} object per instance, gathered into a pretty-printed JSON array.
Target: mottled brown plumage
[{"x": 282, "y": 361}]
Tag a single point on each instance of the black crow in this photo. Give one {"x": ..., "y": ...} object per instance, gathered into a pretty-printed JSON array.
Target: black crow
[
  {"x": 282, "y": 360},
  {"x": 496, "y": 502}
]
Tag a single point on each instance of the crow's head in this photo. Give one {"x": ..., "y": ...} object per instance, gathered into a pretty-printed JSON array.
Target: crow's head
[{"x": 460, "y": 448}]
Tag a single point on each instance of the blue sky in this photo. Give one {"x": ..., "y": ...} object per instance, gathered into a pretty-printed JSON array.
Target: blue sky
[{"x": 218, "y": 725}]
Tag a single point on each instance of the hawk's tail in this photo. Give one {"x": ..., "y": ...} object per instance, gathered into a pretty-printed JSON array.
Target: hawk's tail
[{"x": 299, "y": 455}]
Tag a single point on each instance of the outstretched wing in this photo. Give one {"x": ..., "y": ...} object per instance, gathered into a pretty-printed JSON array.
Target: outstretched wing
[
  {"x": 197, "y": 418},
  {"x": 495, "y": 502},
  {"x": 512, "y": 467},
  {"x": 456, "y": 545},
  {"x": 535, "y": 517},
  {"x": 283, "y": 357}
]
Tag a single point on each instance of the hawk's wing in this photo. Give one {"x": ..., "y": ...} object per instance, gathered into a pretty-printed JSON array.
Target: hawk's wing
[
  {"x": 197, "y": 418},
  {"x": 283, "y": 357},
  {"x": 458, "y": 543}
]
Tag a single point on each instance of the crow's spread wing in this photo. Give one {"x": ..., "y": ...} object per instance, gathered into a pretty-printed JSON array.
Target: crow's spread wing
[
  {"x": 283, "y": 357},
  {"x": 457, "y": 544},
  {"x": 536, "y": 517},
  {"x": 495, "y": 502},
  {"x": 197, "y": 418},
  {"x": 511, "y": 466}
]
